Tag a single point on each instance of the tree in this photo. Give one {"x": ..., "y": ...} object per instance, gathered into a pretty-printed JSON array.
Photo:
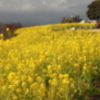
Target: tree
[
  {"x": 8, "y": 29},
  {"x": 93, "y": 11}
]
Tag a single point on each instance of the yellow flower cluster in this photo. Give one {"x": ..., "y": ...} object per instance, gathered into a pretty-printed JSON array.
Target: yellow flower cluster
[{"x": 42, "y": 64}]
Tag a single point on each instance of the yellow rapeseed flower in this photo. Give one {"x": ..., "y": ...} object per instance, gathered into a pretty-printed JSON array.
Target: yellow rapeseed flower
[
  {"x": 65, "y": 81},
  {"x": 4, "y": 88},
  {"x": 34, "y": 86},
  {"x": 19, "y": 90},
  {"x": 7, "y": 29},
  {"x": 24, "y": 84}
]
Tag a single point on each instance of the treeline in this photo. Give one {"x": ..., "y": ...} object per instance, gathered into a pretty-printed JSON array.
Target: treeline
[{"x": 7, "y": 29}]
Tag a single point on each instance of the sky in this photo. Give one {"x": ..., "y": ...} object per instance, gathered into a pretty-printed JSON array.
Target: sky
[{"x": 40, "y": 12}]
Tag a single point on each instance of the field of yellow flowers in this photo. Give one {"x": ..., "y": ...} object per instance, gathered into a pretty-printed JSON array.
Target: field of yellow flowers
[{"x": 42, "y": 64}]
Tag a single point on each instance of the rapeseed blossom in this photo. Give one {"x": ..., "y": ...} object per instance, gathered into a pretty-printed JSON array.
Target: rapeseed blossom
[{"x": 43, "y": 64}]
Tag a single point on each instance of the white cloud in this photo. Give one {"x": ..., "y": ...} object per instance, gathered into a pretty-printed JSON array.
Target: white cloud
[
  {"x": 46, "y": 9},
  {"x": 1, "y": 4},
  {"x": 44, "y": 2},
  {"x": 26, "y": 7},
  {"x": 55, "y": 5},
  {"x": 18, "y": 5},
  {"x": 36, "y": 5},
  {"x": 54, "y": 1}
]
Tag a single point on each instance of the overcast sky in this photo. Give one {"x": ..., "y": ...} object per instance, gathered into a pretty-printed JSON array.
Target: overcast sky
[{"x": 41, "y": 11}]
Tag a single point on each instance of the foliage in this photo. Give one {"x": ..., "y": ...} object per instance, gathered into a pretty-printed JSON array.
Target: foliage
[
  {"x": 94, "y": 10},
  {"x": 62, "y": 27},
  {"x": 71, "y": 19},
  {"x": 7, "y": 30},
  {"x": 41, "y": 64}
]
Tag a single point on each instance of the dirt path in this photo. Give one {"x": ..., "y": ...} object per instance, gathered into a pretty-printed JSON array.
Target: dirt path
[{"x": 94, "y": 30}]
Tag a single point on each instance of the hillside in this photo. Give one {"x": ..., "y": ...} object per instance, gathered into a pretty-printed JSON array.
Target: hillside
[{"x": 50, "y": 62}]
